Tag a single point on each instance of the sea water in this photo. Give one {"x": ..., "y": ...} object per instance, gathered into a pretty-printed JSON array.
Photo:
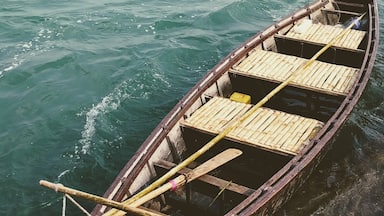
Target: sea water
[{"x": 83, "y": 83}]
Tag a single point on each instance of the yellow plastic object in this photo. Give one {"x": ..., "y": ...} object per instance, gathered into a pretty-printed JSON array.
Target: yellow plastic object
[{"x": 239, "y": 97}]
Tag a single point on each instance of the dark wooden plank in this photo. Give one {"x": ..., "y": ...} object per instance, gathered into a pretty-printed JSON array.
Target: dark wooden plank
[
  {"x": 306, "y": 49},
  {"x": 240, "y": 189},
  {"x": 341, "y": 12}
]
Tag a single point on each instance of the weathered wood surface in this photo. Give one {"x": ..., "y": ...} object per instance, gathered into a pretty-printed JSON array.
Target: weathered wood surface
[
  {"x": 218, "y": 182},
  {"x": 320, "y": 33},
  {"x": 181, "y": 180},
  {"x": 101, "y": 200},
  {"x": 266, "y": 128},
  {"x": 320, "y": 76}
]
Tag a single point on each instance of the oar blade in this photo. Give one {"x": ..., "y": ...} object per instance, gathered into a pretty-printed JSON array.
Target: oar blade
[
  {"x": 214, "y": 163},
  {"x": 199, "y": 171}
]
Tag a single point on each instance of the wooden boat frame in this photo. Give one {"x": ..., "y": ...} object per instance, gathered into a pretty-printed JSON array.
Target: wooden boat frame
[{"x": 280, "y": 187}]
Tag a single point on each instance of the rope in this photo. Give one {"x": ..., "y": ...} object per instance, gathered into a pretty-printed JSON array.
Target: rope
[
  {"x": 64, "y": 206},
  {"x": 77, "y": 205},
  {"x": 220, "y": 192}
]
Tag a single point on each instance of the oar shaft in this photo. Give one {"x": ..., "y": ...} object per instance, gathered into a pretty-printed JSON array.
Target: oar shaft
[
  {"x": 160, "y": 190},
  {"x": 199, "y": 171},
  {"x": 97, "y": 199}
]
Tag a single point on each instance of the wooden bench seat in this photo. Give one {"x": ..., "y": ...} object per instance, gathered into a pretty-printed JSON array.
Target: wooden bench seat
[
  {"x": 266, "y": 128},
  {"x": 209, "y": 179},
  {"x": 320, "y": 77},
  {"x": 323, "y": 34}
]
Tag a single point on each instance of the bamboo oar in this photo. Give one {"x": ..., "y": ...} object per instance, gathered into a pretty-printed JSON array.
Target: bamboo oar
[
  {"x": 132, "y": 210},
  {"x": 199, "y": 171},
  {"x": 237, "y": 122}
]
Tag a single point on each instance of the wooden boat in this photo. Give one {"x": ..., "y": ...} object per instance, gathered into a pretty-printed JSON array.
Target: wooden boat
[{"x": 283, "y": 138}]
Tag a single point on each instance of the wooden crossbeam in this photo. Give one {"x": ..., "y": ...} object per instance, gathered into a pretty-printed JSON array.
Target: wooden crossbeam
[{"x": 209, "y": 179}]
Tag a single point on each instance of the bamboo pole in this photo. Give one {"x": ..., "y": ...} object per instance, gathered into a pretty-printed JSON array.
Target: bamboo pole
[
  {"x": 132, "y": 210},
  {"x": 236, "y": 123},
  {"x": 181, "y": 180}
]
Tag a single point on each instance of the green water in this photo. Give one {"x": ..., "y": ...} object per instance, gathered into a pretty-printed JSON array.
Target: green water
[{"x": 83, "y": 83}]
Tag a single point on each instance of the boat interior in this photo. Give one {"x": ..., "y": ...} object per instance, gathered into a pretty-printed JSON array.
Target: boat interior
[{"x": 271, "y": 136}]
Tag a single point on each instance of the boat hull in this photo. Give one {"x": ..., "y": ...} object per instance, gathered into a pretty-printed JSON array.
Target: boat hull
[{"x": 166, "y": 141}]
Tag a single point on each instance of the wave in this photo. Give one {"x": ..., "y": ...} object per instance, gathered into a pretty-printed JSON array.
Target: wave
[
  {"x": 42, "y": 41},
  {"x": 109, "y": 103}
]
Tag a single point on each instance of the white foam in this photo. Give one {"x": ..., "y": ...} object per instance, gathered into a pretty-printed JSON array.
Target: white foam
[
  {"x": 40, "y": 43},
  {"x": 62, "y": 174},
  {"x": 109, "y": 103}
]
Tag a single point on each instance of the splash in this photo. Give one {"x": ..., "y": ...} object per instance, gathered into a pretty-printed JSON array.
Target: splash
[
  {"x": 109, "y": 103},
  {"x": 40, "y": 43}
]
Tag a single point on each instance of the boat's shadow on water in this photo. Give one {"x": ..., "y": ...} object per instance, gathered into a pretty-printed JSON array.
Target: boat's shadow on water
[{"x": 349, "y": 180}]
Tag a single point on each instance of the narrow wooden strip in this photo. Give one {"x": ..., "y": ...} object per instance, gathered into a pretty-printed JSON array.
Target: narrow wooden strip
[
  {"x": 265, "y": 133},
  {"x": 291, "y": 140},
  {"x": 199, "y": 113},
  {"x": 312, "y": 33},
  {"x": 352, "y": 81},
  {"x": 250, "y": 127},
  {"x": 258, "y": 61},
  {"x": 299, "y": 132},
  {"x": 342, "y": 86},
  {"x": 314, "y": 73},
  {"x": 293, "y": 125},
  {"x": 343, "y": 76},
  {"x": 281, "y": 130},
  {"x": 326, "y": 72},
  {"x": 215, "y": 111},
  {"x": 327, "y": 83},
  {"x": 221, "y": 118},
  {"x": 243, "y": 127},
  {"x": 240, "y": 189}
]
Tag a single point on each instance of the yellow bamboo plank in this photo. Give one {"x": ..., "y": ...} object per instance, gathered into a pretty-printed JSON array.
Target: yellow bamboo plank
[
  {"x": 202, "y": 109},
  {"x": 306, "y": 136},
  {"x": 351, "y": 83},
  {"x": 326, "y": 72},
  {"x": 261, "y": 56},
  {"x": 306, "y": 131},
  {"x": 278, "y": 138},
  {"x": 265, "y": 132},
  {"x": 219, "y": 120},
  {"x": 293, "y": 139},
  {"x": 343, "y": 76},
  {"x": 251, "y": 61},
  {"x": 285, "y": 140},
  {"x": 332, "y": 73},
  {"x": 242, "y": 129},
  {"x": 204, "y": 117},
  {"x": 291, "y": 126},
  {"x": 320, "y": 33},
  {"x": 313, "y": 74},
  {"x": 266, "y": 128},
  {"x": 349, "y": 78},
  {"x": 256, "y": 117}
]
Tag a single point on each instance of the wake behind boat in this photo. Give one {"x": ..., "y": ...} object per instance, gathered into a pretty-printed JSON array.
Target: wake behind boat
[{"x": 280, "y": 98}]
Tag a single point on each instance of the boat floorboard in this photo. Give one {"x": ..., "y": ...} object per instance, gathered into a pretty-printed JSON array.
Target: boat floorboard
[
  {"x": 265, "y": 128},
  {"x": 323, "y": 34},
  {"x": 320, "y": 76}
]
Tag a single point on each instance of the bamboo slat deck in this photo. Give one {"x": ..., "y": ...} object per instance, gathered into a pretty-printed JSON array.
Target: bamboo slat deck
[
  {"x": 266, "y": 128},
  {"x": 323, "y": 34},
  {"x": 320, "y": 76}
]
